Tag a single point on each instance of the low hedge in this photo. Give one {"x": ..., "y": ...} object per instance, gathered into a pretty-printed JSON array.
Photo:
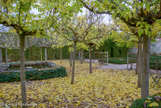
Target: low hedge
[
  {"x": 124, "y": 61},
  {"x": 33, "y": 75},
  {"x": 120, "y": 60},
  {"x": 150, "y": 102},
  {"x": 153, "y": 65}
]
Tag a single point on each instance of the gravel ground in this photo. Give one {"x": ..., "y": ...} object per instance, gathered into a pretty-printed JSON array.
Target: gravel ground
[
  {"x": 116, "y": 66},
  {"x": 122, "y": 67}
]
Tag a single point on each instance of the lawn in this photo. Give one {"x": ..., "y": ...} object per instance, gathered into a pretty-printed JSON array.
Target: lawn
[{"x": 103, "y": 88}]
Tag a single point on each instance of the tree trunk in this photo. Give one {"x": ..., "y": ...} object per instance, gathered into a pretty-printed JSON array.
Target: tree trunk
[
  {"x": 82, "y": 56},
  {"x": 53, "y": 55},
  {"x": 139, "y": 61},
  {"x": 79, "y": 54},
  {"x": 46, "y": 55},
  {"x": 41, "y": 54},
  {"x": 1, "y": 56},
  {"x": 22, "y": 71},
  {"x": 60, "y": 55},
  {"x": 127, "y": 60},
  {"x": 6, "y": 56},
  {"x": 73, "y": 68},
  {"x": 90, "y": 60},
  {"x": 131, "y": 63},
  {"x": 71, "y": 57},
  {"x": 145, "y": 71},
  {"x": 107, "y": 57},
  {"x": 30, "y": 54}
]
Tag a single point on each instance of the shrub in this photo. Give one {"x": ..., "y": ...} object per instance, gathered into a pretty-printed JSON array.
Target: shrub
[
  {"x": 150, "y": 102},
  {"x": 122, "y": 60},
  {"x": 153, "y": 65},
  {"x": 33, "y": 75}
]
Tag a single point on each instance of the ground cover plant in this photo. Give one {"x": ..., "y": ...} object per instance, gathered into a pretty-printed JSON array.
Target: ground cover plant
[{"x": 150, "y": 102}]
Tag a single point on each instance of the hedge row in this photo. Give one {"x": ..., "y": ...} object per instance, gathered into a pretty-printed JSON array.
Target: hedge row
[
  {"x": 149, "y": 102},
  {"x": 33, "y": 75},
  {"x": 122, "y": 60},
  {"x": 153, "y": 66}
]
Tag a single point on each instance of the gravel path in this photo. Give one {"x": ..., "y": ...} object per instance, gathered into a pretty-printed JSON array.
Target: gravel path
[
  {"x": 116, "y": 66},
  {"x": 122, "y": 67}
]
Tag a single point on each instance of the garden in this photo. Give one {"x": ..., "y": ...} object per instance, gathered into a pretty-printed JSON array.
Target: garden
[
  {"x": 102, "y": 88},
  {"x": 76, "y": 53}
]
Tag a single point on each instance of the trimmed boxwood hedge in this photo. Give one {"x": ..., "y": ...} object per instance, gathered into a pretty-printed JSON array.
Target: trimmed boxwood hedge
[
  {"x": 139, "y": 103},
  {"x": 153, "y": 65},
  {"x": 34, "y": 75},
  {"x": 121, "y": 60},
  {"x": 124, "y": 61}
]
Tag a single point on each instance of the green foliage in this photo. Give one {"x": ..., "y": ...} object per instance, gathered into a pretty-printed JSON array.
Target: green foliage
[
  {"x": 83, "y": 30},
  {"x": 132, "y": 59},
  {"x": 13, "y": 54},
  {"x": 122, "y": 60},
  {"x": 65, "y": 53},
  {"x": 139, "y": 103},
  {"x": 32, "y": 17},
  {"x": 33, "y": 75},
  {"x": 132, "y": 13},
  {"x": 153, "y": 65},
  {"x": 34, "y": 53},
  {"x": 112, "y": 48}
]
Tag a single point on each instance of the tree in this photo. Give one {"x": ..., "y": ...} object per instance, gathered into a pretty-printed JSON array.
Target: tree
[
  {"x": 95, "y": 38},
  {"x": 129, "y": 38},
  {"x": 5, "y": 43},
  {"x": 81, "y": 47},
  {"x": 8, "y": 42},
  {"x": 140, "y": 14},
  {"x": 122, "y": 34},
  {"x": 44, "y": 42},
  {"x": 73, "y": 30},
  {"x": 19, "y": 15},
  {"x": 125, "y": 37},
  {"x": 59, "y": 42}
]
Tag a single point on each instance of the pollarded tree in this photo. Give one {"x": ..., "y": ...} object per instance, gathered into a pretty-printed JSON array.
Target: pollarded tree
[
  {"x": 129, "y": 38},
  {"x": 73, "y": 30},
  {"x": 58, "y": 42},
  {"x": 50, "y": 40},
  {"x": 122, "y": 34},
  {"x": 5, "y": 42},
  {"x": 8, "y": 41},
  {"x": 81, "y": 47},
  {"x": 125, "y": 37},
  {"x": 96, "y": 37},
  {"x": 140, "y": 14},
  {"x": 30, "y": 41},
  {"x": 20, "y": 15},
  {"x": 44, "y": 42}
]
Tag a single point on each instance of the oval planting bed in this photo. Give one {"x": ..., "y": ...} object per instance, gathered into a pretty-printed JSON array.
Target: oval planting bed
[{"x": 38, "y": 74}]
